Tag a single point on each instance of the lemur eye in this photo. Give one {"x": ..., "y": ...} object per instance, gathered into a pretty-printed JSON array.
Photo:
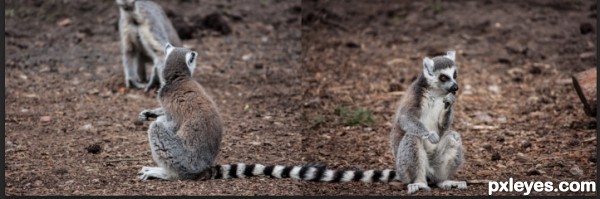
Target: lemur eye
[
  {"x": 443, "y": 78},
  {"x": 455, "y": 74}
]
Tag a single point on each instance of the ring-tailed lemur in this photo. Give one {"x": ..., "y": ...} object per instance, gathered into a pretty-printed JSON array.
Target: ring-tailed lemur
[
  {"x": 185, "y": 137},
  {"x": 144, "y": 29},
  {"x": 425, "y": 115}
]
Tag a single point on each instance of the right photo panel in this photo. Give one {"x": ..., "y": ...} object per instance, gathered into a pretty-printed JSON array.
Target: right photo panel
[{"x": 435, "y": 97}]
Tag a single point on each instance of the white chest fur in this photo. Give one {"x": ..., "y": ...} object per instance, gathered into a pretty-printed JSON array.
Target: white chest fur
[{"x": 432, "y": 108}]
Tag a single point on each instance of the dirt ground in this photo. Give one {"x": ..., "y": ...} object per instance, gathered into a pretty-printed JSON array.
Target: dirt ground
[{"x": 297, "y": 82}]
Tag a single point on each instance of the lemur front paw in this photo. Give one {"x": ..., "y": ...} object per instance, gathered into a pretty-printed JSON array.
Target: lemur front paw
[
  {"x": 144, "y": 115},
  {"x": 449, "y": 100},
  {"x": 433, "y": 137},
  {"x": 134, "y": 83}
]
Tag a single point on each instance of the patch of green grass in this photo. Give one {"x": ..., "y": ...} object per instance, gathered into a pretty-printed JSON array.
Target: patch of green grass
[
  {"x": 437, "y": 7},
  {"x": 397, "y": 19},
  {"x": 355, "y": 116},
  {"x": 9, "y": 13}
]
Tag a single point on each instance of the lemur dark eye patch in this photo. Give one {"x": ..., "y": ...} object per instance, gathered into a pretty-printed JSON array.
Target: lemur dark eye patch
[
  {"x": 455, "y": 73},
  {"x": 444, "y": 78}
]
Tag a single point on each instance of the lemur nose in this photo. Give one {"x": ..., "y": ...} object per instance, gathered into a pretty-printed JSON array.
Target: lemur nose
[{"x": 454, "y": 88}]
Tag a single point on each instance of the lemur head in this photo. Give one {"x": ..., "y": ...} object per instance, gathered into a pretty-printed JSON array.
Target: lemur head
[
  {"x": 179, "y": 62},
  {"x": 127, "y": 5},
  {"x": 441, "y": 73}
]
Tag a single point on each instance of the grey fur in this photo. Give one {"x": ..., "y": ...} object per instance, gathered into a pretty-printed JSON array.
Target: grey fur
[
  {"x": 144, "y": 30},
  {"x": 186, "y": 136},
  {"x": 422, "y": 155}
]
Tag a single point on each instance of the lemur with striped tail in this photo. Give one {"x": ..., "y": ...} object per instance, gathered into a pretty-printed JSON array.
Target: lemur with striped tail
[
  {"x": 144, "y": 30},
  {"x": 425, "y": 115},
  {"x": 186, "y": 135}
]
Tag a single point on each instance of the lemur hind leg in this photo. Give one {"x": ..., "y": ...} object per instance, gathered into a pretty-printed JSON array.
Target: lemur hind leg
[
  {"x": 162, "y": 144},
  {"x": 412, "y": 164},
  {"x": 449, "y": 157}
]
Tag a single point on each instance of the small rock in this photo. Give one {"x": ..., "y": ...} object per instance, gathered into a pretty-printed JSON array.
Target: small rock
[
  {"x": 217, "y": 23},
  {"x": 522, "y": 158},
  {"x": 526, "y": 144},
  {"x": 247, "y": 57},
  {"x": 483, "y": 117},
  {"x": 585, "y": 28},
  {"x": 86, "y": 127},
  {"x": 488, "y": 147},
  {"x": 45, "y": 119},
  {"x": 576, "y": 171},
  {"x": 587, "y": 55},
  {"x": 500, "y": 138},
  {"x": 256, "y": 143},
  {"x": 504, "y": 60},
  {"x": 38, "y": 183},
  {"x": 64, "y": 22},
  {"x": 516, "y": 47},
  {"x": 535, "y": 70},
  {"x": 94, "y": 148},
  {"x": 533, "y": 171},
  {"x": 61, "y": 171},
  {"x": 501, "y": 120},
  {"x": 494, "y": 88},
  {"x": 496, "y": 156},
  {"x": 592, "y": 157},
  {"x": 69, "y": 182},
  {"x": 96, "y": 180},
  {"x": 352, "y": 45},
  {"x": 258, "y": 66}
]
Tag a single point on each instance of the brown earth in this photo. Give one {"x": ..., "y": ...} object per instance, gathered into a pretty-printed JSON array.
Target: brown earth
[{"x": 284, "y": 78}]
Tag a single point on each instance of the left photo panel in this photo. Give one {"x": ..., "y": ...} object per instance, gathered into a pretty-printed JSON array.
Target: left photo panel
[{"x": 88, "y": 83}]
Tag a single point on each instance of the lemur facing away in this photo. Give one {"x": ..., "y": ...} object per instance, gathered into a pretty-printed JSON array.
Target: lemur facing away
[
  {"x": 185, "y": 137},
  {"x": 425, "y": 115},
  {"x": 144, "y": 29}
]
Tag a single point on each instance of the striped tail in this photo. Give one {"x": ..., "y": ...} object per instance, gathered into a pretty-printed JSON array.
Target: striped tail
[{"x": 307, "y": 173}]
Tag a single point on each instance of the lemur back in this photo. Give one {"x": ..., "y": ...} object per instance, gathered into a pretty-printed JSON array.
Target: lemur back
[
  {"x": 145, "y": 30},
  {"x": 186, "y": 136},
  {"x": 425, "y": 115}
]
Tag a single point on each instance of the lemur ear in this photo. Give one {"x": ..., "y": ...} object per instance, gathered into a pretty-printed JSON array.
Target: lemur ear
[
  {"x": 190, "y": 60},
  {"x": 451, "y": 55},
  {"x": 428, "y": 67},
  {"x": 168, "y": 49}
]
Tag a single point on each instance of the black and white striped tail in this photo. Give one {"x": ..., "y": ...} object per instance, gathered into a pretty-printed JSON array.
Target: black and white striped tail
[{"x": 307, "y": 173}]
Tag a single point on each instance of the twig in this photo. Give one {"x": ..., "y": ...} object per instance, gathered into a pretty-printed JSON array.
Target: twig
[{"x": 589, "y": 139}]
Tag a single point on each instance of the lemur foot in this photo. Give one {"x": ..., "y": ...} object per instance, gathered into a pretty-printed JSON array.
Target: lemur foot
[
  {"x": 414, "y": 187},
  {"x": 135, "y": 84},
  {"x": 449, "y": 184},
  {"x": 152, "y": 172},
  {"x": 433, "y": 137}
]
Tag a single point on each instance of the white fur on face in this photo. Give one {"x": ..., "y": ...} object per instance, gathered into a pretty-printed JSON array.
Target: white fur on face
[
  {"x": 448, "y": 72},
  {"x": 190, "y": 60}
]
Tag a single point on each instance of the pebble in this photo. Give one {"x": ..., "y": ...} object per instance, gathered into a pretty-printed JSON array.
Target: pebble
[
  {"x": 496, "y": 156},
  {"x": 576, "y": 171},
  {"x": 533, "y": 171},
  {"x": 45, "y": 119}
]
